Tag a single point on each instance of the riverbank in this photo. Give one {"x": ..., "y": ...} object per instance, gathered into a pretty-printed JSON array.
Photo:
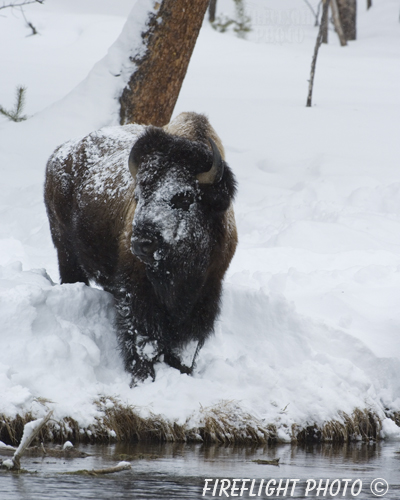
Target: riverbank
[{"x": 224, "y": 424}]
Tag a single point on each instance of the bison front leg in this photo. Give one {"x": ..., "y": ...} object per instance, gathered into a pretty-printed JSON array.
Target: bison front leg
[
  {"x": 174, "y": 361},
  {"x": 139, "y": 352},
  {"x": 140, "y": 356}
]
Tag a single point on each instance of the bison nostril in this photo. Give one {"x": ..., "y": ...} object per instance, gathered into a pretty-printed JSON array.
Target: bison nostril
[
  {"x": 149, "y": 247},
  {"x": 144, "y": 248}
]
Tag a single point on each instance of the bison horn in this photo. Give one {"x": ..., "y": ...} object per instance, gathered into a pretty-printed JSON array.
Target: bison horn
[
  {"x": 133, "y": 164},
  {"x": 214, "y": 175}
]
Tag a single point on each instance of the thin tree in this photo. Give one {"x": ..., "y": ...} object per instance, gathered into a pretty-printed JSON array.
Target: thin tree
[
  {"x": 168, "y": 40},
  {"x": 212, "y": 9},
  {"x": 324, "y": 23},
  {"x": 337, "y": 23},
  {"x": 316, "y": 49}
]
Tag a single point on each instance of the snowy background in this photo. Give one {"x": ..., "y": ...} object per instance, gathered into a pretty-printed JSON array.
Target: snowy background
[{"x": 311, "y": 318}]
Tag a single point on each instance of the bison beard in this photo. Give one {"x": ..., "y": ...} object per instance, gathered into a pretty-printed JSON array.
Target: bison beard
[{"x": 160, "y": 239}]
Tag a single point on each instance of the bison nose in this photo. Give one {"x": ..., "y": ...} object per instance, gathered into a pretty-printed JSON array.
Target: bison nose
[{"x": 144, "y": 248}]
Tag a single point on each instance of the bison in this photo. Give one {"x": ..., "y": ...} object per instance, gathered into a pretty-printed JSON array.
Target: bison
[{"x": 146, "y": 213}]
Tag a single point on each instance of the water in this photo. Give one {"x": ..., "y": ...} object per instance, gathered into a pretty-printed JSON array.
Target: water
[{"x": 174, "y": 471}]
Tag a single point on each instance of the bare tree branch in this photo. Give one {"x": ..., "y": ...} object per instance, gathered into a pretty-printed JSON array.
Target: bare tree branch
[
  {"x": 29, "y": 24},
  {"x": 20, "y": 4},
  {"x": 97, "y": 472},
  {"x": 315, "y": 14},
  {"x": 31, "y": 431}
]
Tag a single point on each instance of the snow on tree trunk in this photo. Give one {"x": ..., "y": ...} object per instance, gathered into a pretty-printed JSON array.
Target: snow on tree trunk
[
  {"x": 168, "y": 38},
  {"x": 348, "y": 17}
]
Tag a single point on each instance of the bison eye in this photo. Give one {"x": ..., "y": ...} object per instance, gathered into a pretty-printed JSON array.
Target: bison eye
[{"x": 182, "y": 201}]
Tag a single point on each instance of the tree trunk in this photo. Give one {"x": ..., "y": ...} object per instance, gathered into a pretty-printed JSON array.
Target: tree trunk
[
  {"x": 168, "y": 40},
  {"x": 212, "y": 9},
  {"x": 348, "y": 17},
  {"x": 324, "y": 23},
  {"x": 337, "y": 23}
]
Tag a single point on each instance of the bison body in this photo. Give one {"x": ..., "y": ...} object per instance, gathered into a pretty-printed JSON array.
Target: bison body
[{"x": 147, "y": 214}]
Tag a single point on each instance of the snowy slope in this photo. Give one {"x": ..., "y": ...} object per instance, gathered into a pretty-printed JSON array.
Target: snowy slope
[{"x": 310, "y": 321}]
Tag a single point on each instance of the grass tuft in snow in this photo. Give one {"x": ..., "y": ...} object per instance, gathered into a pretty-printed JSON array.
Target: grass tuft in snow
[
  {"x": 123, "y": 423},
  {"x": 227, "y": 423},
  {"x": 361, "y": 425}
]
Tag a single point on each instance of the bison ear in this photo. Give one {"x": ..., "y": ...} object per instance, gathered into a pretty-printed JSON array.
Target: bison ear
[
  {"x": 214, "y": 175},
  {"x": 133, "y": 162}
]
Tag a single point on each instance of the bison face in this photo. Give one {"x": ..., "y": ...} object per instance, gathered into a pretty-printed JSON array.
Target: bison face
[
  {"x": 170, "y": 227},
  {"x": 180, "y": 198}
]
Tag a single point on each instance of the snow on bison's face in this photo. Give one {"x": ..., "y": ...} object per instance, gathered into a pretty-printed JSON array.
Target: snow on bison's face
[{"x": 180, "y": 190}]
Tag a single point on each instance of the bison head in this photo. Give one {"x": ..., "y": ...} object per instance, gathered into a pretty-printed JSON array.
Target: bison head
[{"x": 183, "y": 189}]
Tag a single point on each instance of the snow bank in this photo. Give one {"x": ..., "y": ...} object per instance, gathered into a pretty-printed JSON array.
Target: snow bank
[
  {"x": 279, "y": 366},
  {"x": 310, "y": 320},
  {"x": 57, "y": 345}
]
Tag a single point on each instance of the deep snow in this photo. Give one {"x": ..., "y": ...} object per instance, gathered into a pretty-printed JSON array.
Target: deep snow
[{"x": 310, "y": 322}]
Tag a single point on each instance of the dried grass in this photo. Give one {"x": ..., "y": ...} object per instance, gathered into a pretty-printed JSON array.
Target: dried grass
[
  {"x": 362, "y": 425},
  {"x": 123, "y": 423},
  {"x": 11, "y": 429},
  {"x": 226, "y": 423}
]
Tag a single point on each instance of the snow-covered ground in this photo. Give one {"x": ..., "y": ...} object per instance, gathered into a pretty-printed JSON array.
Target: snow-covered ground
[{"x": 311, "y": 319}]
